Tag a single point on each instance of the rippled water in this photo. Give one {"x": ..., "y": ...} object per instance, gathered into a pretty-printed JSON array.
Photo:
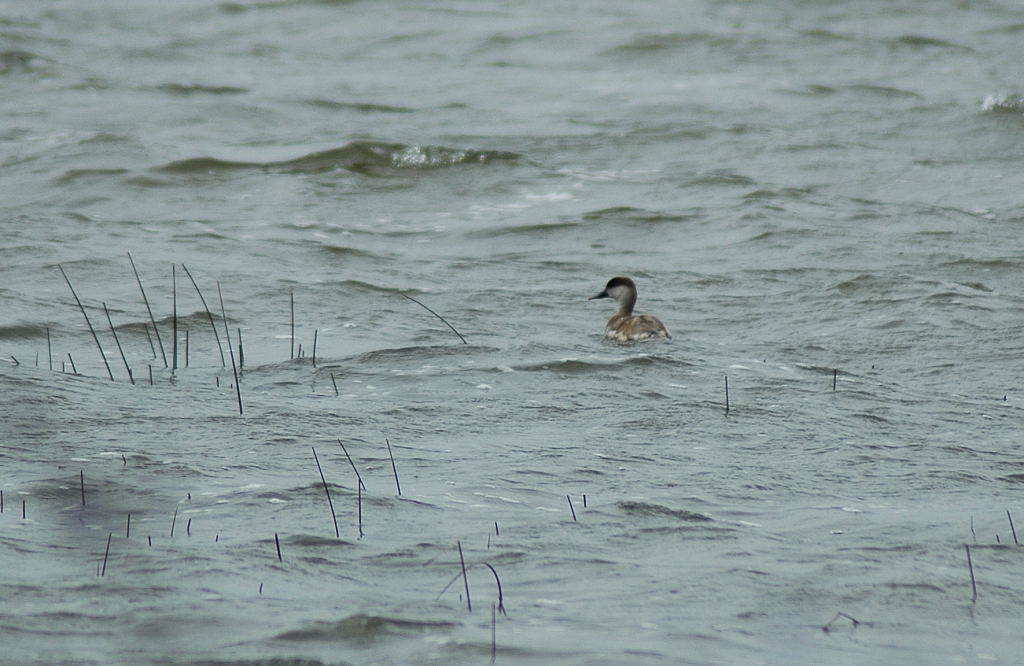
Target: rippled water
[{"x": 820, "y": 199}]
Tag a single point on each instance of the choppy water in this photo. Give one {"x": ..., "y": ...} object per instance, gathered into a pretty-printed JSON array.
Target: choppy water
[{"x": 799, "y": 189}]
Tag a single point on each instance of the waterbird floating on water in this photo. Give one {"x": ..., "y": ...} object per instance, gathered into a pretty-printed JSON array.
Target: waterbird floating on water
[{"x": 624, "y": 325}]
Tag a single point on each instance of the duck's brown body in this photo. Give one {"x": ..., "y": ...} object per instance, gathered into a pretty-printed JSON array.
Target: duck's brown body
[{"x": 624, "y": 326}]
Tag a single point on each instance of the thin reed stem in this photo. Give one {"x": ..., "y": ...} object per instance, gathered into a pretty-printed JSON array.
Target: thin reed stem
[
  {"x": 315, "y": 333},
  {"x": 89, "y": 323},
  {"x": 358, "y": 476},
  {"x": 571, "y": 508},
  {"x": 501, "y": 597},
  {"x": 119, "y": 349},
  {"x": 209, "y": 315},
  {"x": 970, "y": 568},
  {"x": 149, "y": 338},
  {"x": 1012, "y": 528},
  {"x": 227, "y": 332},
  {"x": 174, "y": 314},
  {"x": 49, "y": 348},
  {"x": 106, "y": 553},
  {"x": 327, "y": 490},
  {"x": 291, "y": 299},
  {"x": 359, "y": 505},
  {"x": 277, "y": 542},
  {"x": 152, "y": 319},
  {"x": 465, "y": 578},
  {"x": 393, "y": 467},
  {"x": 81, "y": 482},
  {"x": 438, "y": 316}
]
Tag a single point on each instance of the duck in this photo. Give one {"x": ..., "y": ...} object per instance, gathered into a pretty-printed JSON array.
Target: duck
[{"x": 624, "y": 326}]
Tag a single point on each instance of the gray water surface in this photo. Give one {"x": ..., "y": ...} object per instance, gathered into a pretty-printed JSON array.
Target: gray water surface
[{"x": 821, "y": 200}]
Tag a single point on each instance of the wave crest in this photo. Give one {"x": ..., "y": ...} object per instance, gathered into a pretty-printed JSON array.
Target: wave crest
[
  {"x": 648, "y": 510},
  {"x": 358, "y": 156},
  {"x": 364, "y": 627},
  {"x": 1010, "y": 103}
]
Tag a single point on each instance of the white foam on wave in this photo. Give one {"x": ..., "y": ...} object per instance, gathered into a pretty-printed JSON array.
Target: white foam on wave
[{"x": 1005, "y": 102}]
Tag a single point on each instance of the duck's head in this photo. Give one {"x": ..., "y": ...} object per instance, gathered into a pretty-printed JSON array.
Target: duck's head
[{"x": 618, "y": 288}]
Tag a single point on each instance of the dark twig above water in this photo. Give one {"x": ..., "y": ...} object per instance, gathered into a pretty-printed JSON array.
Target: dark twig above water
[{"x": 438, "y": 316}]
